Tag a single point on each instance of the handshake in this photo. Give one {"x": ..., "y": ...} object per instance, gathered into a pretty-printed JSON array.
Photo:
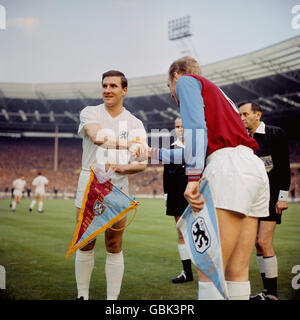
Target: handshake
[{"x": 139, "y": 150}]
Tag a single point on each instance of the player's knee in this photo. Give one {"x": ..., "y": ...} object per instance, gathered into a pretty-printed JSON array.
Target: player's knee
[
  {"x": 264, "y": 243},
  {"x": 113, "y": 245},
  {"x": 89, "y": 246},
  {"x": 258, "y": 246},
  {"x": 237, "y": 270},
  {"x": 238, "y": 273}
]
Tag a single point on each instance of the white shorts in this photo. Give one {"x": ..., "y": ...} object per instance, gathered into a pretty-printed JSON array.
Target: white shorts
[
  {"x": 82, "y": 183},
  {"x": 39, "y": 192},
  {"x": 83, "y": 180},
  {"x": 17, "y": 193},
  {"x": 238, "y": 181}
]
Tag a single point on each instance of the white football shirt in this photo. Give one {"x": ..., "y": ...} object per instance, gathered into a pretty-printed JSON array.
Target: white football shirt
[
  {"x": 39, "y": 182},
  {"x": 19, "y": 184},
  {"x": 124, "y": 126}
]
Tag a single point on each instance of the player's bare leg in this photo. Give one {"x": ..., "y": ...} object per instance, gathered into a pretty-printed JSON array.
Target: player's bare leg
[
  {"x": 237, "y": 268},
  {"x": 17, "y": 200},
  {"x": 41, "y": 204},
  {"x": 237, "y": 236},
  {"x": 114, "y": 266},
  {"x": 186, "y": 274},
  {"x": 33, "y": 202},
  {"x": 84, "y": 265}
]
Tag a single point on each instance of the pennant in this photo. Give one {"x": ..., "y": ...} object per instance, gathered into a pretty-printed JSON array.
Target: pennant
[
  {"x": 201, "y": 234},
  {"x": 103, "y": 205}
]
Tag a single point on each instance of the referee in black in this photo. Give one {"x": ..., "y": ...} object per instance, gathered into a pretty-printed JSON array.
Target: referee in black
[
  {"x": 273, "y": 150},
  {"x": 174, "y": 183}
]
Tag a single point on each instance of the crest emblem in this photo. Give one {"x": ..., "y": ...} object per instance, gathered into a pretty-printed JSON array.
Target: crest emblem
[
  {"x": 268, "y": 162},
  {"x": 99, "y": 208},
  {"x": 200, "y": 235},
  {"x": 123, "y": 134}
]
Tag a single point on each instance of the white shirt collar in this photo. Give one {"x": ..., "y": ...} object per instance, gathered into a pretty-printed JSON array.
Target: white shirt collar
[
  {"x": 178, "y": 143},
  {"x": 261, "y": 128}
]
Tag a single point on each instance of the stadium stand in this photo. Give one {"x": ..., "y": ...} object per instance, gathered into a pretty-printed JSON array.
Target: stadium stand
[
  {"x": 32, "y": 114},
  {"x": 26, "y": 156}
]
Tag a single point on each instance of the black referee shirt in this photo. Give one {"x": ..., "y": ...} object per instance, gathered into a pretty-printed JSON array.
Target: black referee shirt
[{"x": 274, "y": 151}]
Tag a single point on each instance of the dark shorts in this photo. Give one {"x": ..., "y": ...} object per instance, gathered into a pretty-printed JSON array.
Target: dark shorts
[
  {"x": 176, "y": 206},
  {"x": 272, "y": 209}
]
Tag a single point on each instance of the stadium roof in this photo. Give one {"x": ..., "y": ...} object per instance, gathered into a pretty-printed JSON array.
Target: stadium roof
[
  {"x": 270, "y": 76},
  {"x": 280, "y": 58}
]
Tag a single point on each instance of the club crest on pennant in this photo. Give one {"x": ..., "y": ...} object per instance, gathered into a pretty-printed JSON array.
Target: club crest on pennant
[
  {"x": 99, "y": 208},
  {"x": 200, "y": 235}
]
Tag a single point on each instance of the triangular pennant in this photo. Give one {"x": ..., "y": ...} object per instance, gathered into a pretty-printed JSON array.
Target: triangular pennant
[
  {"x": 103, "y": 205},
  {"x": 201, "y": 234}
]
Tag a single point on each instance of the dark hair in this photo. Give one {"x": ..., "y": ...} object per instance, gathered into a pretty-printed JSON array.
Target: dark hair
[
  {"x": 39, "y": 173},
  {"x": 254, "y": 106},
  {"x": 116, "y": 73}
]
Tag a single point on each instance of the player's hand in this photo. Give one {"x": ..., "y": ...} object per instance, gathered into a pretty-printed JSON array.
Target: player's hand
[
  {"x": 107, "y": 166},
  {"x": 193, "y": 196},
  {"x": 115, "y": 167},
  {"x": 139, "y": 150},
  {"x": 280, "y": 206}
]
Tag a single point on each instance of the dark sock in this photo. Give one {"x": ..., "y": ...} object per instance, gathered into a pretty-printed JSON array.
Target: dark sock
[
  {"x": 263, "y": 278},
  {"x": 187, "y": 267},
  {"x": 271, "y": 286}
]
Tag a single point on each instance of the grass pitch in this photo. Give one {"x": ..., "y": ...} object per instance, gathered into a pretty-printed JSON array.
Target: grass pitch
[{"x": 33, "y": 248}]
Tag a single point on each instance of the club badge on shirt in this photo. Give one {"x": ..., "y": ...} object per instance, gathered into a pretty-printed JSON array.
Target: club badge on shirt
[
  {"x": 268, "y": 162},
  {"x": 123, "y": 134}
]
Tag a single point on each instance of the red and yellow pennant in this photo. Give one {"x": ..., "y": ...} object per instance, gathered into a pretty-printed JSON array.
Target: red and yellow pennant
[{"x": 103, "y": 205}]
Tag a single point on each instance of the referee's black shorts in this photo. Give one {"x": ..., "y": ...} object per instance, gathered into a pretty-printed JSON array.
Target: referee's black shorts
[{"x": 272, "y": 208}]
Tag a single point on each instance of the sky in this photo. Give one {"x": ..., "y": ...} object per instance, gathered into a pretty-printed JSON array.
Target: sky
[{"x": 56, "y": 41}]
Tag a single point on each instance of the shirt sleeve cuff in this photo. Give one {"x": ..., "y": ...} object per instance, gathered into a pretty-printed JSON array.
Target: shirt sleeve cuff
[
  {"x": 193, "y": 174},
  {"x": 283, "y": 195},
  {"x": 193, "y": 178}
]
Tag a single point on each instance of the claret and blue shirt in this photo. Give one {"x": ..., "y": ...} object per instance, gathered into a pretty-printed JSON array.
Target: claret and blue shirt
[{"x": 210, "y": 120}]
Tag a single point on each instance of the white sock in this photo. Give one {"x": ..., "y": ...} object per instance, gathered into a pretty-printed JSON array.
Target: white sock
[
  {"x": 271, "y": 267},
  {"x": 183, "y": 252},
  {"x": 40, "y": 205},
  {"x": 13, "y": 205},
  {"x": 260, "y": 263},
  {"x": 238, "y": 290},
  {"x": 208, "y": 291},
  {"x": 84, "y": 264},
  {"x": 33, "y": 202},
  {"x": 114, "y": 269}
]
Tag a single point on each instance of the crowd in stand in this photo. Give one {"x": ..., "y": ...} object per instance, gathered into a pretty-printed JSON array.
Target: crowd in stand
[{"x": 27, "y": 156}]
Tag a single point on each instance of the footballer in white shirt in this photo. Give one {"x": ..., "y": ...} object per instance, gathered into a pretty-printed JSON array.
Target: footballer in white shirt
[
  {"x": 18, "y": 185},
  {"x": 39, "y": 184},
  {"x": 108, "y": 131}
]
